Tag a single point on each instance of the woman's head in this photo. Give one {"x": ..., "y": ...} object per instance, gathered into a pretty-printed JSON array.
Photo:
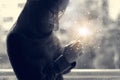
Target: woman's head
[{"x": 44, "y": 14}]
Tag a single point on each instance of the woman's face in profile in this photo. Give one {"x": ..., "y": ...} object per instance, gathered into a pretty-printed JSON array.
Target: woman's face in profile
[{"x": 62, "y": 4}]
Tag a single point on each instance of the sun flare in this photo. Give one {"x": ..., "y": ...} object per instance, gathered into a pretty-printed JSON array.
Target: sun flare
[{"x": 84, "y": 32}]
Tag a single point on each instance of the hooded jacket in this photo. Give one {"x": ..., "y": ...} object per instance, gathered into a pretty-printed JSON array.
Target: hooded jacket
[{"x": 34, "y": 51}]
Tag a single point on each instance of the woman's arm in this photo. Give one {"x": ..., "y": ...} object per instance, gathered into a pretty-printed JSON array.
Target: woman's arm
[{"x": 30, "y": 62}]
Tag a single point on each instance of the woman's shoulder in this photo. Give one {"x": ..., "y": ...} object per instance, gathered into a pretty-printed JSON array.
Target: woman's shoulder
[{"x": 16, "y": 37}]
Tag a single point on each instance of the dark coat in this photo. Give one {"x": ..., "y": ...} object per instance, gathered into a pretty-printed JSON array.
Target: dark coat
[{"x": 35, "y": 52}]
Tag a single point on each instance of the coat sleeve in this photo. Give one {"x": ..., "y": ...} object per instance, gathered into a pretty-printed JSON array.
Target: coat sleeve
[{"x": 61, "y": 65}]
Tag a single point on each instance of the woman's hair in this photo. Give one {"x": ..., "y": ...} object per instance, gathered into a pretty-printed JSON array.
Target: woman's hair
[{"x": 57, "y": 8}]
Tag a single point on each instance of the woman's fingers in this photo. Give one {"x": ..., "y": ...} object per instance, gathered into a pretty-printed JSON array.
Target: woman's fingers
[{"x": 77, "y": 47}]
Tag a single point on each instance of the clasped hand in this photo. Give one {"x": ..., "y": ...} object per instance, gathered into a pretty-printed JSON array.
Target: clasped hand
[{"x": 72, "y": 51}]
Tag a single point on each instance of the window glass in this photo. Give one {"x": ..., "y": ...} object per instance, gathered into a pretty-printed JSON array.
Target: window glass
[{"x": 93, "y": 22}]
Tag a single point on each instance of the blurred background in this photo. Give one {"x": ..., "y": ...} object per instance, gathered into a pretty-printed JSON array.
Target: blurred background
[{"x": 95, "y": 23}]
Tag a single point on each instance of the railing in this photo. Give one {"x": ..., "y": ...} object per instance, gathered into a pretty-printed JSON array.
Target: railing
[{"x": 75, "y": 74}]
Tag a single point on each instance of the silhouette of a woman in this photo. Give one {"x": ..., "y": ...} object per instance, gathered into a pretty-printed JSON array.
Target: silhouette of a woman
[{"x": 34, "y": 51}]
